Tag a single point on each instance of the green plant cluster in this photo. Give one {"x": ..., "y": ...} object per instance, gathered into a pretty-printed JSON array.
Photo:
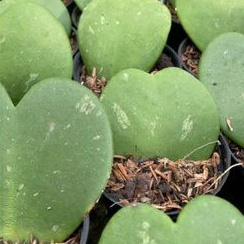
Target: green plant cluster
[{"x": 57, "y": 139}]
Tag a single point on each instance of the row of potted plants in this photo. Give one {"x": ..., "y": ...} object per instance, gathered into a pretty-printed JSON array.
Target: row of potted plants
[{"x": 149, "y": 136}]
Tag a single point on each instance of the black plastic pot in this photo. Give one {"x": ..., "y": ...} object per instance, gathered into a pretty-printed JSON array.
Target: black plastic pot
[
  {"x": 70, "y": 4},
  {"x": 187, "y": 46},
  {"x": 177, "y": 32},
  {"x": 77, "y": 66},
  {"x": 222, "y": 148},
  {"x": 85, "y": 230},
  {"x": 75, "y": 16},
  {"x": 73, "y": 37}
]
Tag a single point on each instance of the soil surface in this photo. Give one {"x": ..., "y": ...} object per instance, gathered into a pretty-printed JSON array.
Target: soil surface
[{"x": 165, "y": 184}]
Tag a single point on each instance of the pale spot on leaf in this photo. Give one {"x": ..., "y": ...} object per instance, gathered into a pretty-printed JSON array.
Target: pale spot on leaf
[
  {"x": 121, "y": 116},
  {"x": 187, "y": 127}
]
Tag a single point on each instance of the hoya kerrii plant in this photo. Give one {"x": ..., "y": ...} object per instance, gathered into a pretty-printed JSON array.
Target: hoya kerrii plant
[
  {"x": 56, "y": 7},
  {"x": 167, "y": 114},
  {"x": 206, "y": 19},
  {"x": 34, "y": 45},
  {"x": 206, "y": 219},
  {"x": 221, "y": 71},
  {"x": 55, "y": 158},
  {"x": 114, "y": 35}
]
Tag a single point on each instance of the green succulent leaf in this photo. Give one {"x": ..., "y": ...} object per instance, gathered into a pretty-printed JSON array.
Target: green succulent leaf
[
  {"x": 169, "y": 114},
  {"x": 56, "y": 156},
  {"x": 137, "y": 224},
  {"x": 33, "y": 46},
  {"x": 206, "y": 19},
  {"x": 210, "y": 219},
  {"x": 221, "y": 70},
  {"x": 205, "y": 219},
  {"x": 114, "y": 35},
  {"x": 56, "y": 7}
]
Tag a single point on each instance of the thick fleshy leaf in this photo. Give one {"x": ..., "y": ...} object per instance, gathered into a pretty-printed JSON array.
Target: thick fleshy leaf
[
  {"x": 221, "y": 71},
  {"x": 205, "y": 219},
  {"x": 56, "y": 156},
  {"x": 33, "y": 46},
  {"x": 206, "y": 19},
  {"x": 212, "y": 220},
  {"x": 114, "y": 35},
  {"x": 169, "y": 114},
  {"x": 137, "y": 224},
  {"x": 56, "y": 7}
]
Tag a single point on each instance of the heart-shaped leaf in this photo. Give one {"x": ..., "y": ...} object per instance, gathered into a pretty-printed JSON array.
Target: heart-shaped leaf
[
  {"x": 169, "y": 114},
  {"x": 209, "y": 219},
  {"x": 114, "y": 35},
  {"x": 56, "y": 7},
  {"x": 56, "y": 156},
  {"x": 139, "y": 223},
  {"x": 203, "y": 20},
  {"x": 221, "y": 71},
  {"x": 33, "y": 46},
  {"x": 205, "y": 219}
]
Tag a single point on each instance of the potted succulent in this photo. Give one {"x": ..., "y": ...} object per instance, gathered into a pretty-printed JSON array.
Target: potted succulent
[
  {"x": 58, "y": 139},
  {"x": 168, "y": 108}
]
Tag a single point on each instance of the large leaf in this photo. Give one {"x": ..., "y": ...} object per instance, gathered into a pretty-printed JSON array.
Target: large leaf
[
  {"x": 169, "y": 114},
  {"x": 33, "y": 46},
  {"x": 114, "y": 35},
  {"x": 221, "y": 71},
  {"x": 56, "y": 155},
  {"x": 206, "y": 219},
  {"x": 203, "y": 20}
]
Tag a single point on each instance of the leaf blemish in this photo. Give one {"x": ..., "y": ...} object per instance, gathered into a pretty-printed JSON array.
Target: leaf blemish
[
  {"x": 9, "y": 168},
  {"x": 187, "y": 127},
  {"x": 85, "y": 105},
  {"x": 31, "y": 79},
  {"x": 143, "y": 234},
  {"x": 55, "y": 228},
  {"x": 97, "y": 137},
  {"x": 121, "y": 116},
  {"x": 233, "y": 221}
]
